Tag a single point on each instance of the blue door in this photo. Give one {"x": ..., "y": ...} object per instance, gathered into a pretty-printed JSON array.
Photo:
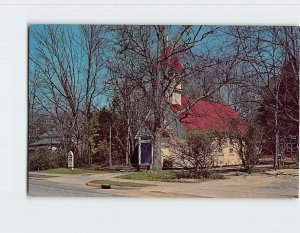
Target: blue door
[{"x": 146, "y": 153}]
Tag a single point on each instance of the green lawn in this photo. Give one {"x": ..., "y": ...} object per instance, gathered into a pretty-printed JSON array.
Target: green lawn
[
  {"x": 151, "y": 176},
  {"x": 117, "y": 183},
  {"x": 40, "y": 176},
  {"x": 291, "y": 166},
  {"x": 74, "y": 171},
  {"x": 166, "y": 176}
]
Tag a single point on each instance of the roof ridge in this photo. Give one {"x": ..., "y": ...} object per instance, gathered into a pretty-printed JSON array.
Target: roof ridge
[{"x": 182, "y": 96}]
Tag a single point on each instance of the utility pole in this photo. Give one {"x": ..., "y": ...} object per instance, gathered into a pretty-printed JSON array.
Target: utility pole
[
  {"x": 110, "y": 163},
  {"x": 276, "y": 138}
]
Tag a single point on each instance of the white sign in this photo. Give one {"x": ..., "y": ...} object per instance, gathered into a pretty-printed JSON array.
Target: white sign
[{"x": 71, "y": 160}]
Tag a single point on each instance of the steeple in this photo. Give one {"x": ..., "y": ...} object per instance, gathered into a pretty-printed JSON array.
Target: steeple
[
  {"x": 175, "y": 69},
  {"x": 176, "y": 94}
]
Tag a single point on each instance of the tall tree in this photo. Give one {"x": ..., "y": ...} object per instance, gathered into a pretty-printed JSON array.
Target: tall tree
[
  {"x": 155, "y": 52},
  {"x": 264, "y": 52},
  {"x": 67, "y": 61},
  {"x": 127, "y": 101}
]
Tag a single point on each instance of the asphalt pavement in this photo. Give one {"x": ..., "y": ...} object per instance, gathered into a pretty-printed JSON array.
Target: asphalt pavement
[{"x": 40, "y": 187}]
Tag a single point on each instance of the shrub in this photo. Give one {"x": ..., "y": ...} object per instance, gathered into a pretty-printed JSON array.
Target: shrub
[
  {"x": 196, "y": 152},
  {"x": 43, "y": 159},
  {"x": 248, "y": 143},
  {"x": 168, "y": 163}
]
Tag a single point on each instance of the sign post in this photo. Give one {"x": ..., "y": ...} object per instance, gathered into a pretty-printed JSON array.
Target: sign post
[{"x": 70, "y": 160}]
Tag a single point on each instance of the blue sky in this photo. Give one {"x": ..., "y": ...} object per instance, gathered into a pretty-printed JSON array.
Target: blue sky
[
  {"x": 102, "y": 99},
  {"x": 212, "y": 42}
]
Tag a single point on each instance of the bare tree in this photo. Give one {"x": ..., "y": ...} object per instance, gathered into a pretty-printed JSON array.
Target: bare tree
[
  {"x": 92, "y": 43},
  {"x": 263, "y": 54},
  {"x": 67, "y": 59},
  {"x": 131, "y": 103},
  {"x": 38, "y": 121},
  {"x": 155, "y": 52}
]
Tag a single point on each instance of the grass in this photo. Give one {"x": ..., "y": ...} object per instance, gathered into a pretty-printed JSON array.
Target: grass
[
  {"x": 118, "y": 183},
  {"x": 261, "y": 169},
  {"x": 166, "y": 176},
  {"x": 238, "y": 173},
  {"x": 291, "y": 166},
  {"x": 40, "y": 176},
  {"x": 74, "y": 171},
  {"x": 216, "y": 176}
]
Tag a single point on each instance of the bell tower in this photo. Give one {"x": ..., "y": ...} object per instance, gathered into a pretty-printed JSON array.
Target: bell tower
[
  {"x": 176, "y": 69},
  {"x": 176, "y": 94}
]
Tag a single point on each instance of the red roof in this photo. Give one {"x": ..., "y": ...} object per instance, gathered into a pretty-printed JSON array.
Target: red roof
[
  {"x": 206, "y": 115},
  {"x": 172, "y": 62}
]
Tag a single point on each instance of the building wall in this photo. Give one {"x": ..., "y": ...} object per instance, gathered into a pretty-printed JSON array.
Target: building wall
[
  {"x": 165, "y": 150},
  {"x": 227, "y": 157}
]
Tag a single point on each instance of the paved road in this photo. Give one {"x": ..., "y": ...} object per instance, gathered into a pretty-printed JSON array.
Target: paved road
[{"x": 39, "y": 187}]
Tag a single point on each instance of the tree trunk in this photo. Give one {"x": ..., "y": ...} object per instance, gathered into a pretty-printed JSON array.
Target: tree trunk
[
  {"x": 110, "y": 159},
  {"x": 157, "y": 165},
  {"x": 127, "y": 147}
]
